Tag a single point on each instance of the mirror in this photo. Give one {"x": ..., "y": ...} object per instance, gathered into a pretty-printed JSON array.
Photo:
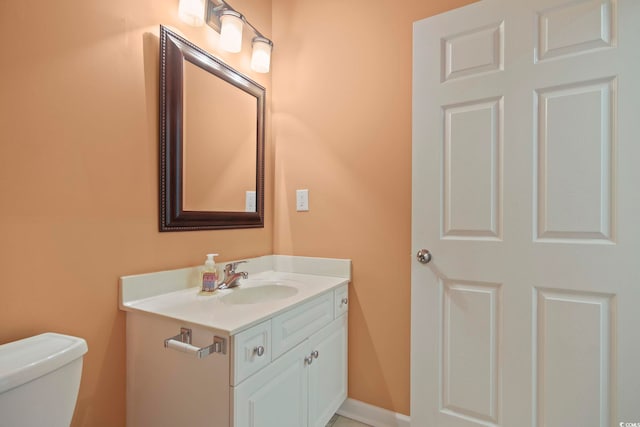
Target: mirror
[{"x": 211, "y": 141}]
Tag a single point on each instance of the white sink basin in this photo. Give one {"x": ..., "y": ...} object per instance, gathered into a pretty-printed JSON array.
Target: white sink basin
[{"x": 258, "y": 294}]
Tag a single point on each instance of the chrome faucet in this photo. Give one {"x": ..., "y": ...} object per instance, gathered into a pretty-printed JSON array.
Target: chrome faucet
[{"x": 231, "y": 277}]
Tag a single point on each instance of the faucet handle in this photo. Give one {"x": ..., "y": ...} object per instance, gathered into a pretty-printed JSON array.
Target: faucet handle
[{"x": 231, "y": 267}]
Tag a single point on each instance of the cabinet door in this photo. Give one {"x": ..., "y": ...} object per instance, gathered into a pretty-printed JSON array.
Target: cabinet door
[
  {"x": 276, "y": 395},
  {"x": 328, "y": 372}
]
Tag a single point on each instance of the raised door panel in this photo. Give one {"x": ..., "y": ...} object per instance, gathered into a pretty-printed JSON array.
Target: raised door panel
[
  {"x": 328, "y": 372},
  {"x": 574, "y": 357},
  {"x": 472, "y": 171},
  {"x": 276, "y": 395},
  {"x": 471, "y": 349},
  {"x": 575, "y": 162},
  {"x": 473, "y": 52},
  {"x": 575, "y": 27}
]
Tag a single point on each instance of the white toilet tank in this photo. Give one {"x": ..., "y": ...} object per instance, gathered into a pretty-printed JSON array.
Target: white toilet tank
[{"x": 39, "y": 380}]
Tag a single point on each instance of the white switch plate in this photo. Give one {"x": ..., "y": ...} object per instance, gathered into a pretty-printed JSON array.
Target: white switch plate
[
  {"x": 302, "y": 200},
  {"x": 250, "y": 201}
]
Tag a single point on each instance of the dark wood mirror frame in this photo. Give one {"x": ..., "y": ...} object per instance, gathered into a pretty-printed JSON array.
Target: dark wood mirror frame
[{"x": 174, "y": 50}]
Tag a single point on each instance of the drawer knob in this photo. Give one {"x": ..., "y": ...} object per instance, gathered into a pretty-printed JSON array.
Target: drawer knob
[
  {"x": 345, "y": 301},
  {"x": 315, "y": 354},
  {"x": 259, "y": 351}
]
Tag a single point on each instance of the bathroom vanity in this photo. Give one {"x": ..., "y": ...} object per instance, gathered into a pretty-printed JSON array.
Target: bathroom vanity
[{"x": 271, "y": 352}]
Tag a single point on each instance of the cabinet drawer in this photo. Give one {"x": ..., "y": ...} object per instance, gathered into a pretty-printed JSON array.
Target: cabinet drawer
[
  {"x": 341, "y": 300},
  {"x": 295, "y": 325},
  {"x": 251, "y": 351}
]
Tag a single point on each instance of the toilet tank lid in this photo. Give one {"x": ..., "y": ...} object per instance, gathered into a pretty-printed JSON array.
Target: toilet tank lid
[{"x": 27, "y": 359}]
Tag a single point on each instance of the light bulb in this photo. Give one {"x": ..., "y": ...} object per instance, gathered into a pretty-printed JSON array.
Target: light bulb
[
  {"x": 261, "y": 55},
  {"x": 191, "y": 12},
  {"x": 231, "y": 31}
]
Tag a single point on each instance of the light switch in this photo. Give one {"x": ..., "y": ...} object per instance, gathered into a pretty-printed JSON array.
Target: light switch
[
  {"x": 302, "y": 200},
  {"x": 250, "y": 201}
]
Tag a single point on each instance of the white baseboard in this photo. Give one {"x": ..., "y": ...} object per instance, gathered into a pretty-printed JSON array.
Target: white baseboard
[{"x": 372, "y": 415}]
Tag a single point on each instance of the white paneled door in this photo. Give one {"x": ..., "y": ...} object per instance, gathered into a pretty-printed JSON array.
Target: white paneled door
[{"x": 526, "y": 191}]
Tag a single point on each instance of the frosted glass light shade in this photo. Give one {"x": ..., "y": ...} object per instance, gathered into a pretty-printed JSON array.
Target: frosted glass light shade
[
  {"x": 191, "y": 12},
  {"x": 231, "y": 31},
  {"x": 261, "y": 55}
]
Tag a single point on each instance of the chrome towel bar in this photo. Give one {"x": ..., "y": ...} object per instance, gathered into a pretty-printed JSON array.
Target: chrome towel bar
[{"x": 182, "y": 342}]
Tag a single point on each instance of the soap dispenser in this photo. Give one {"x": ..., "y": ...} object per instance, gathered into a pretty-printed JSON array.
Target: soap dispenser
[{"x": 209, "y": 274}]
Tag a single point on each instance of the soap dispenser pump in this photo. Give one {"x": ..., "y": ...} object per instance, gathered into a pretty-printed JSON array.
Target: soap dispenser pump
[{"x": 210, "y": 274}]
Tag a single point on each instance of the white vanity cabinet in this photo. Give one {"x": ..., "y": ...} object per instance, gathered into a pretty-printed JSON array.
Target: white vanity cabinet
[
  {"x": 307, "y": 380},
  {"x": 302, "y": 388},
  {"x": 287, "y": 370}
]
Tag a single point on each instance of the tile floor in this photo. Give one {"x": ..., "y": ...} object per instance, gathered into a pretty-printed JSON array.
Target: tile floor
[{"x": 338, "y": 421}]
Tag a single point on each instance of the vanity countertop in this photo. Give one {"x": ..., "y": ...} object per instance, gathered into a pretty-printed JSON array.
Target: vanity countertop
[{"x": 169, "y": 294}]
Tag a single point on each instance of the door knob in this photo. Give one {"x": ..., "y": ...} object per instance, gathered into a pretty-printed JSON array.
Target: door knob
[{"x": 424, "y": 256}]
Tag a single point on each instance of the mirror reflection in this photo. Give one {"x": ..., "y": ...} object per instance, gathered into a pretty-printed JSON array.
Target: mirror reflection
[{"x": 219, "y": 144}]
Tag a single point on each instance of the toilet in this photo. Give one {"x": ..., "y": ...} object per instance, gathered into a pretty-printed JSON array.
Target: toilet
[{"x": 39, "y": 380}]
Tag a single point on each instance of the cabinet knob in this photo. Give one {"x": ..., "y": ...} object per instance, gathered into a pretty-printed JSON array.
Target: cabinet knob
[
  {"x": 259, "y": 350},
  {"x": 345, "y": 301},
  {"x": 315, "y": 354},
  {"x": 308, "y": 360}
]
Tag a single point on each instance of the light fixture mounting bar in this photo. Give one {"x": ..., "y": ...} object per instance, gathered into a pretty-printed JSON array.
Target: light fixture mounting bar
[
  {"x": 215, "y": 9},
  {"x": 212, "y": 17}
]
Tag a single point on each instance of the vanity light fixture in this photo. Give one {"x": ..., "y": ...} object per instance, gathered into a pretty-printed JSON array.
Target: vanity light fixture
[
  {"x": 227, "y": 21},
  {"x": 231, "y": 31},
  {"x": 190, "y": 12}
]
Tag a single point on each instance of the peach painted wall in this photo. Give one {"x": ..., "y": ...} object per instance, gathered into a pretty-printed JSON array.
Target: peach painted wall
[
  {"x": 342, "y": 129},
  {"x": 79, "y": 175}
]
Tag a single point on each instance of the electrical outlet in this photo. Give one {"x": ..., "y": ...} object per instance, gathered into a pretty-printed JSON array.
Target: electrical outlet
[
  {"x": 302, "y": 200},
  {"x": 250, "y": 201}
]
